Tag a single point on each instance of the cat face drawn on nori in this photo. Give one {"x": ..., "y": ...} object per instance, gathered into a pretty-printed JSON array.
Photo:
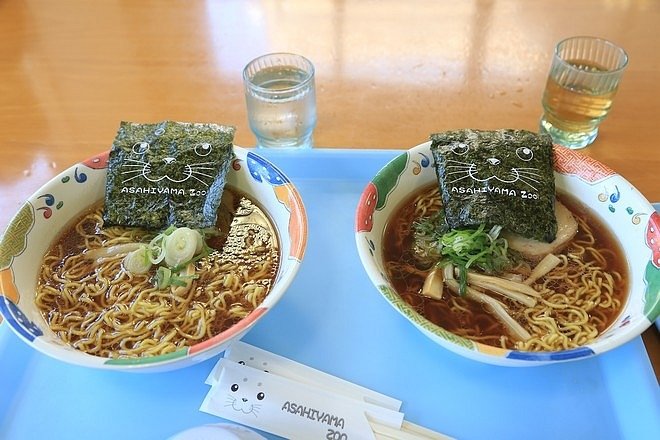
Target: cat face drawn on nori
[
  {"x": 245, "y": 397},
  {"x": 503, "y": 169},
  {"x": 172, "y": 168},
  {"x": 169, "y": 173},
  {"x": 502, "y": 177}
]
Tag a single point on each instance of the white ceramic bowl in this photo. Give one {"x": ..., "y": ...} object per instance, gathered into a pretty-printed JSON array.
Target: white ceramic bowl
[
  {"x": 32, "y": 230},
  {"x": 618, "y": 204}
]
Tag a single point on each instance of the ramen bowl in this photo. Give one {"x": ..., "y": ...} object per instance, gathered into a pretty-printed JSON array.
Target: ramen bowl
[
  {"x": 64, "y": 198},
  {"x": 629, "y": 217}
]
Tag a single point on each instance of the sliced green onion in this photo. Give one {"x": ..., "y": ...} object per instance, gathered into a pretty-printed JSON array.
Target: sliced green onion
[
  {"x": 163, "y": 275},
  {"x": 495, "y": 231},
  {"x": 169, "y": 230},
  {"x": 167, "y": 278},
  {"x": 138, "y": 261},
  {"x": 180, "y": 246},
  {"x": 176, "y": 249},
  {"x": 156, "y": 249},
  {"x": 462, "y": 280},
  {"x": 179, "y": 281}
]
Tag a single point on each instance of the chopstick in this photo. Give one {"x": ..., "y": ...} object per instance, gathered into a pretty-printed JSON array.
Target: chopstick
[
  {"x": 424, "y": 432},
  {"x": 408, "y": 431}
]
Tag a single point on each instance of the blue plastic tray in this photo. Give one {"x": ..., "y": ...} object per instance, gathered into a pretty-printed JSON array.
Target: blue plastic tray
[{"x": 333, "y": 319}]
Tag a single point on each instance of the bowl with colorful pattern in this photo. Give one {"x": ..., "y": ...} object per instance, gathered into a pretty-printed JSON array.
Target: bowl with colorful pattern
[
  {"x": 35, "y": 226},
  {"x": 624, "y": 211}
]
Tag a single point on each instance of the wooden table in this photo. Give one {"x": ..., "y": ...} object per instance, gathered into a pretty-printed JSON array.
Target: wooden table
[{"x": 388, "y": 73}]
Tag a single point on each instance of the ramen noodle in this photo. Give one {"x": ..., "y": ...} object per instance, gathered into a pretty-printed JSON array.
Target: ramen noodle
[{"x": 102, "y": 309}]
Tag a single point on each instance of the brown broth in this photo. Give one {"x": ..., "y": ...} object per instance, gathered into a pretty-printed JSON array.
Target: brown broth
[{"x": 478, "y": 322}]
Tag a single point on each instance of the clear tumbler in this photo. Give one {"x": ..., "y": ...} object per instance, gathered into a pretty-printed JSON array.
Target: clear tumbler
[{"x": 281, "y": 100}]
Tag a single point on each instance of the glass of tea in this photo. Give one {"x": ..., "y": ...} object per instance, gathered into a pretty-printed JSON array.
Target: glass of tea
[
  {"x": 281, "y": 100},
  {"x": 583, "y": 79}
]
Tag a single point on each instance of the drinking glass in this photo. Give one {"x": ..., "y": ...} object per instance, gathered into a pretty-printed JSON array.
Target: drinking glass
[
  {"x": 583, "y": 79},
  {"x": 281, "y": 100}
]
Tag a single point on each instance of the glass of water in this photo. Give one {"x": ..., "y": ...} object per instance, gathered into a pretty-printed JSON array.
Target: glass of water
[
  {"x": 281, "y": 100},
  {"x": 583, "y": 79}
]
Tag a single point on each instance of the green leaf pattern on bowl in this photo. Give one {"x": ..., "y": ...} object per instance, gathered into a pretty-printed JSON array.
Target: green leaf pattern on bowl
[
  {"x": 387, "y": 179},
  {"x": 150, "y": 359},
  {"x": 421, "y": 322},
  {"x": 14, "y": 241}
]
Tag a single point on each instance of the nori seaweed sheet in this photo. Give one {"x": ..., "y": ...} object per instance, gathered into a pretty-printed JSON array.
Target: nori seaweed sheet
[
  {"x": 167, "y": 173},
  {"x": 502, "y": 177}
]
